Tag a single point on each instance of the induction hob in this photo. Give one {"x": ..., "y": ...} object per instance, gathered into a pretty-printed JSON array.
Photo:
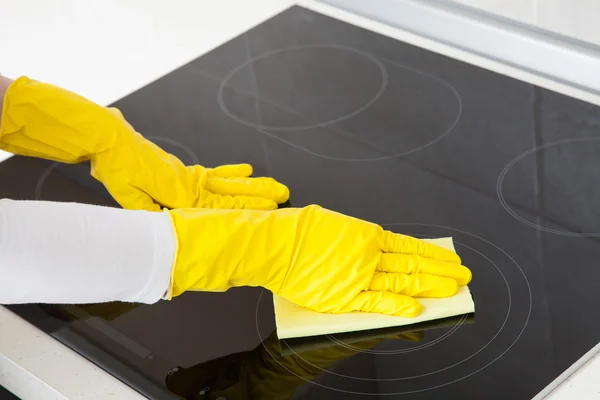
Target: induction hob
[{"x": 385, "y": 131}]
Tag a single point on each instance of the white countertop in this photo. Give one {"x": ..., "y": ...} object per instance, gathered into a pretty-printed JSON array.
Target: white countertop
[{"x": 106, "y": 50}]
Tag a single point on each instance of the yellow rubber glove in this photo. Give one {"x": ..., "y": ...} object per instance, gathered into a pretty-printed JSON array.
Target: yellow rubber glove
[
  {"x": 41, "y": 120},
  {"x": 314, "y": 257}
]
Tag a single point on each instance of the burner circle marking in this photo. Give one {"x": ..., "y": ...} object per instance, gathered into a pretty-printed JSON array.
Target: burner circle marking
[
  {"x": 500, "y": 189},
  {"x": 378, "y": 94},
  {"x": 455, "y": 380}
]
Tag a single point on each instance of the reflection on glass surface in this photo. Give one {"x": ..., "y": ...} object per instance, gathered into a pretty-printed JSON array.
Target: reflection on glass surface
[{"x": 270, "y": 372}]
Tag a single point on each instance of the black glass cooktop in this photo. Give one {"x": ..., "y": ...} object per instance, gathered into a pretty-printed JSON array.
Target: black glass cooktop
[{"x": 385, "y": 131}]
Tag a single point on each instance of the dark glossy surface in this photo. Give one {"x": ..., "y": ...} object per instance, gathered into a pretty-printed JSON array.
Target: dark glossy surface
[
  {"x": 384, "y": 131},
  {"x": 6, "y": 395}
]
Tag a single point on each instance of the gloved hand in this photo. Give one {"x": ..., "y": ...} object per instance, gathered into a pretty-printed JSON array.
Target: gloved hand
[
  {"x": 314, "y": 257},
  {"x": 41, "y": 120}
]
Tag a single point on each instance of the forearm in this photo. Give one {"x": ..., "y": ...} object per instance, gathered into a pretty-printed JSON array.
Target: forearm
[{"x": 77, "y": 253}]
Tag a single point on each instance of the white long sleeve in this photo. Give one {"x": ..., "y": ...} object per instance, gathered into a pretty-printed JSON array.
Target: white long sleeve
[{"x": 76, "y": 253}]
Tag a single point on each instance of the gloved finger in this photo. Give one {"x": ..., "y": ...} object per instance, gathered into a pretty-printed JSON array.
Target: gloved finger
[
  {"x": 413, "y": 264},
  {"x": 397, "y": 243},
  {"x": 232, "y": 171},
  {"x": 385, "y": 303},
  {"x": 418, "y": 285},
  {"x": 268, "y": 188},
  {"x": 211, "y": 200}
]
